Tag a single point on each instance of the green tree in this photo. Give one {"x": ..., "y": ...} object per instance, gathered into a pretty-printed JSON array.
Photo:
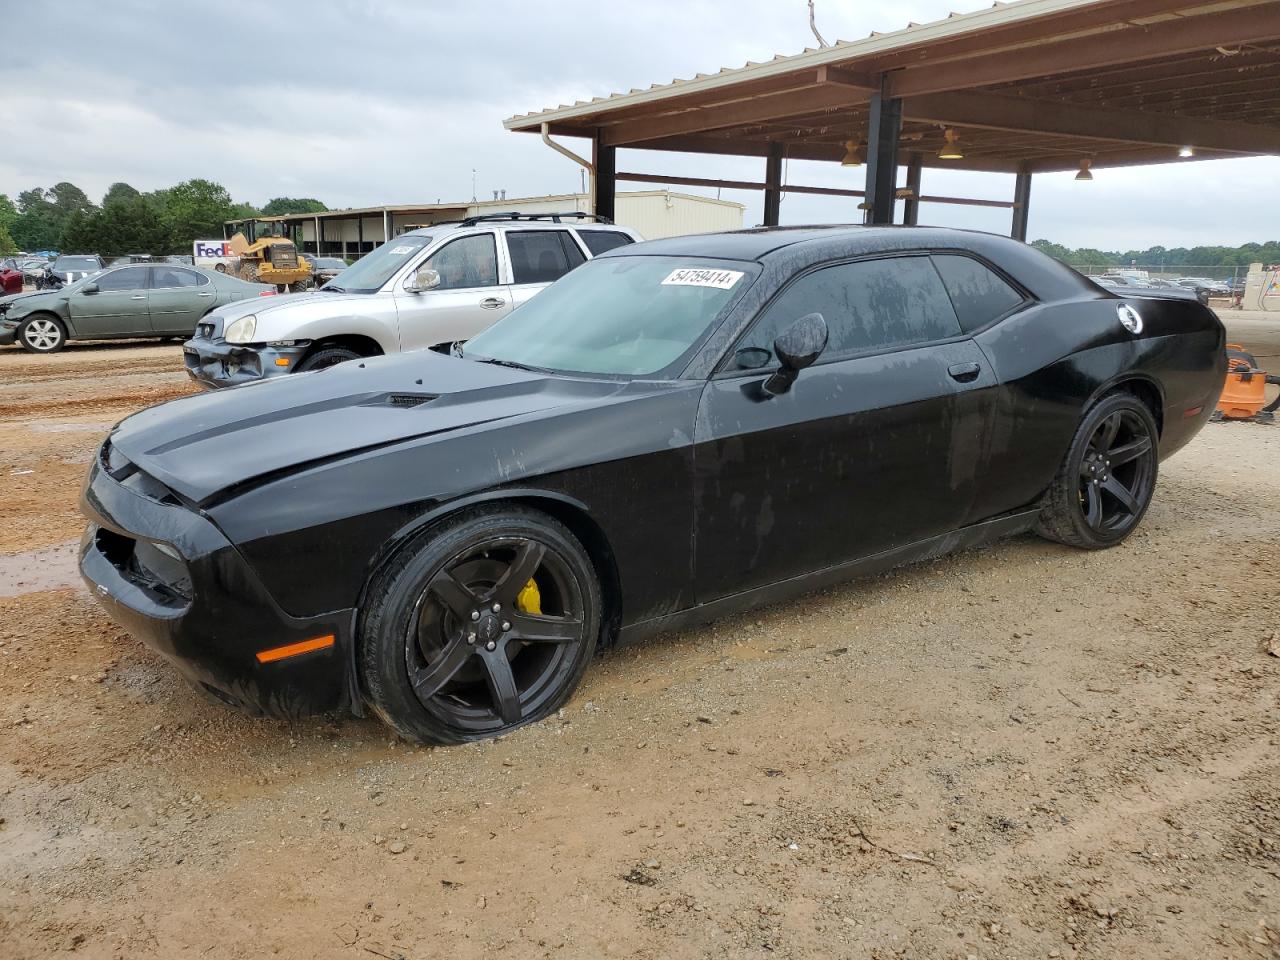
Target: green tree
[
  {"x": 68, "y": 199},
  {"x": 281, "y": 205},
  {"x": 119, "y": 191},
  {"x": 7, "y": 246},
  {"x": 196, "y": 209},
  {"x": 8, "y": 211}
]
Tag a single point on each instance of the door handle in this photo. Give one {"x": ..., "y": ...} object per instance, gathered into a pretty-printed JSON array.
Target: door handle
[
  {"x": 138, "y": 298},
  {"x": 964, "y": 372},
  {"x": 204, "y": 294},
  {"x": 492, "y": 302}
]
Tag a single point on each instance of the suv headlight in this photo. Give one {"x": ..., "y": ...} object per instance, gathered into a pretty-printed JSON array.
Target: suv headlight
[{"x": 242, "y": 330}]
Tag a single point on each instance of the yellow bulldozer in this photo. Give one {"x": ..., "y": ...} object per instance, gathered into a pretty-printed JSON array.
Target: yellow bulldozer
[{"x": 271, "y": 260}]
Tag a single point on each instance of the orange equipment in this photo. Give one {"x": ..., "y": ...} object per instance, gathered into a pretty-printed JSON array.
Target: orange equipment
[{"x": 1244, "y": 395}]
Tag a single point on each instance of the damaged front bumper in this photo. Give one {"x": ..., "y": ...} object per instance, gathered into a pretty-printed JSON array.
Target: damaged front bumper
[
  {"x": 214, "y": 363},
  {"x": 169, "y": 576}
]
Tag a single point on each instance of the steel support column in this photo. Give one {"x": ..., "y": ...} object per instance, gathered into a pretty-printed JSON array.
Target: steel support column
[
  {"x": 360, "y": 235},
  {"x": 605, "y": 160},
  {"x": 911, "y": 206},
  {"x": 319, "y": 236},
  {"x": 386, "y": 227},
  {"x": 885, "y": 124},
  {"x": 773, "y": 184},
  {"x": 1022, "y": 205}
]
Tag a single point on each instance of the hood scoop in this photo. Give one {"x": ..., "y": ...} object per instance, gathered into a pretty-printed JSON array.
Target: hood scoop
[{"x": 404, "y": 400}]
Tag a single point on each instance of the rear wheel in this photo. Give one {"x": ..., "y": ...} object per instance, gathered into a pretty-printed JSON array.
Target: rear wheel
[
  {"x": 42, "y": 333},
  {"x": 326, "y": 357},
  {"x": 479, "y": 626},
  {"x": 1105, "y": 484}
]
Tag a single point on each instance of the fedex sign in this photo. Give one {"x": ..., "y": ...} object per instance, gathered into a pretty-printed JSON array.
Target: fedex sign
[{"x": 211, "y": 249}]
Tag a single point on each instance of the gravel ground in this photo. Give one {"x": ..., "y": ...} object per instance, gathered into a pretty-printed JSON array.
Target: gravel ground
[{"x": 1025, "y": 751}]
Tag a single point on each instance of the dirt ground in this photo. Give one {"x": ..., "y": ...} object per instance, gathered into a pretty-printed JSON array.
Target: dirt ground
[{"x": 1025, "y": 751}]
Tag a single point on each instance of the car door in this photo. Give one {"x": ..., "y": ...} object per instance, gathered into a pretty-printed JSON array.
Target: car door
[
  {"x": 876, "y": 446},
  {"x": 112, "y": 304},
  {"x": 539, "y": 257},
  {"x": 468, "y": 298},
  {"x": 178, "y": 298}
]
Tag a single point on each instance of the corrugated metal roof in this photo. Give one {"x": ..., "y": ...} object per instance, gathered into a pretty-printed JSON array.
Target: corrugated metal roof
[{"x": 841, "y": 51}]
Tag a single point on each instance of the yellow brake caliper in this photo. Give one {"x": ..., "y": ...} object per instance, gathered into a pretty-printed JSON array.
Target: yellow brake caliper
[{"x": 529, "y": 600}]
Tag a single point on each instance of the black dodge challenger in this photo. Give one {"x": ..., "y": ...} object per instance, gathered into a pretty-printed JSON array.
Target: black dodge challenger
[{"x": 673, "y": 431}]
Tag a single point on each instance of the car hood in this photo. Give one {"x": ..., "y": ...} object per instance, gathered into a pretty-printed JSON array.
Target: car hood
[
  {"x": 266, "y": 306},
  {"x": 205, "y": 445}
]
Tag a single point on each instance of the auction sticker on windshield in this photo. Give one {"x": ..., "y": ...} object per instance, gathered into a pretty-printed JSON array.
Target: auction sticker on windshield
[
  {"x": 699, "y": 277},
  {"x": 401, "y": 251}
]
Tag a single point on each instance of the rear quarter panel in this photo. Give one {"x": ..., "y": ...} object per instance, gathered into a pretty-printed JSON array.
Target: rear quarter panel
[{"x": 1054, "y": 360}]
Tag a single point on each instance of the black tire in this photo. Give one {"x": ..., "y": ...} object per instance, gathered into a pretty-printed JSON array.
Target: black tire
[
  {"x": 1105, "y": 483},
  {"x": 453, "y": 647},
  {"x": 220, "y": 267},
  {"x": 326, "y": 357},
  {"x": 42, "y": 333}
]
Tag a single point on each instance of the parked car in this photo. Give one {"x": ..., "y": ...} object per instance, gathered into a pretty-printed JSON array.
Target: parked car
[
  {"x": 672, "y": 431},
  {"x": 324, "y": 269},
  {"x": 1128, "y": 287},
  {"x": 33, "y": 269},
  {"x": 139, "y": 300},
  {"x": 11, "y": 278},
  {"x": 69, "y": 268},
  {"x": 422, "y": 289}
]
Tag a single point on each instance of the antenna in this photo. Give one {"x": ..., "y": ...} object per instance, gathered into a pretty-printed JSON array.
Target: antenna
[{"x": 813, "y": 25}]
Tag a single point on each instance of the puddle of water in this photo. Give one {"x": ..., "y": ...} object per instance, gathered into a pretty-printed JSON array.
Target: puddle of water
[
  {"x": 72, "y": 427},
  {"x": 49, "y": 568}
]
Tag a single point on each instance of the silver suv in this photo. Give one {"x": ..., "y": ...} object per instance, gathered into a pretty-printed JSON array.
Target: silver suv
[{"x": 424, "y": 288}]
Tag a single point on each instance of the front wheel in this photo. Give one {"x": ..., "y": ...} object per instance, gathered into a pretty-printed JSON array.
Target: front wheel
[
  {"x": 42, "y": 333},
  {"x": 1105, "y": 484},
  {"x": 326, "y": 357},
  {"x": 479, "y": 626}
]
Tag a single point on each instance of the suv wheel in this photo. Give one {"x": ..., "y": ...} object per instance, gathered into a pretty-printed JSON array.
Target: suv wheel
[{"x": 326, "y": 357}]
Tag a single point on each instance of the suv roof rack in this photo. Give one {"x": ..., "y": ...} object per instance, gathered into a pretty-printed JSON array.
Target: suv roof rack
[{"x": 515, "y": 215}]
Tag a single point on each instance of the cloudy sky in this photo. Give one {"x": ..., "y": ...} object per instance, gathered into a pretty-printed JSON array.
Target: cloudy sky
[{"x": 365, "y": 102}]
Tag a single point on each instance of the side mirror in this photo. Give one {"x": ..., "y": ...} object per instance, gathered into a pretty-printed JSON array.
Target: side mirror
[
  {"x": 425, "y": 279},
  {"x": 796, "y": 348},
  {"x": 89, "y": 287}
]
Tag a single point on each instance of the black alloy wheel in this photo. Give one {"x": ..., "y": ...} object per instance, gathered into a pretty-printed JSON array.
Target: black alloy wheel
[
  {"x": 485, "y": 626},
  {"x": 1117, "y": 473},
  {"x": 1107, "y": 480}
]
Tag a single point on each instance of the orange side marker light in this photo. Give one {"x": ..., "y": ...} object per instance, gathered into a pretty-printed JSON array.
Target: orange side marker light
[
  {"x": 295, "y": 649},
  {"x": 282, "y": 361}
]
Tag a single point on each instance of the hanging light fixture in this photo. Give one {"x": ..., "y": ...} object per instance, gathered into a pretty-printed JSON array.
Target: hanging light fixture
[
  {"x": 1085, "y": 173},
  {"x": 951, "y": 146},
  {"x": 852, "y": 154},
  {"x": 1187, "y": 152}
]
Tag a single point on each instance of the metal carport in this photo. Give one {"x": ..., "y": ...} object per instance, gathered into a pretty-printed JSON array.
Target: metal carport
[{"x": 1021, "y": 88}]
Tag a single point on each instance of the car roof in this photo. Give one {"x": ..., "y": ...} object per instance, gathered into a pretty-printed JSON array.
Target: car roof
[
  {"x": 545, "y": 223},
  {"x": 758, "y": 243},
  {"x": 795, "y": 248}
]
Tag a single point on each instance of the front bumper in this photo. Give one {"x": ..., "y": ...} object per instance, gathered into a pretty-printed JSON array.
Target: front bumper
[
  {"x": 8, "y": 334},
  {"x": 208, "y": 614},
  {"x": 216, "y": 363}
]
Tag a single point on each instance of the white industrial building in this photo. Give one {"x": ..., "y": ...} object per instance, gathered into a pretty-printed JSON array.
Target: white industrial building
[{"x": 354, "y": 232}]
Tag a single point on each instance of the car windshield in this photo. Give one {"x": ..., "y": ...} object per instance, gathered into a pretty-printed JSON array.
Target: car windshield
[
  {"x": 370, "y": 272},
  {"x": 77, "y": 263},
  {"x": 633, "y": 316}
]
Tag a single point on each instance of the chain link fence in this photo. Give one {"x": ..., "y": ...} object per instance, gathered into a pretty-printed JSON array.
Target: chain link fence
[{"x": 1164, "y": 271}]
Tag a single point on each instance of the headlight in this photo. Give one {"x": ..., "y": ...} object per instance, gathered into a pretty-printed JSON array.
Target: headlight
[{"x": 242, "y": 330}]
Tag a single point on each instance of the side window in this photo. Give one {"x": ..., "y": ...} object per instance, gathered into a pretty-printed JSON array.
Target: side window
[
  {"x": 978, "y": 294},
  {"x": 868, "y": 305},
  {"x": 127, "y": 278},
  {"x": 541, "y": 256},
  {"x": 166, "y": 277},
  {"x": 466, "y": 262},
  {"x": 598, "y": 241}
]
